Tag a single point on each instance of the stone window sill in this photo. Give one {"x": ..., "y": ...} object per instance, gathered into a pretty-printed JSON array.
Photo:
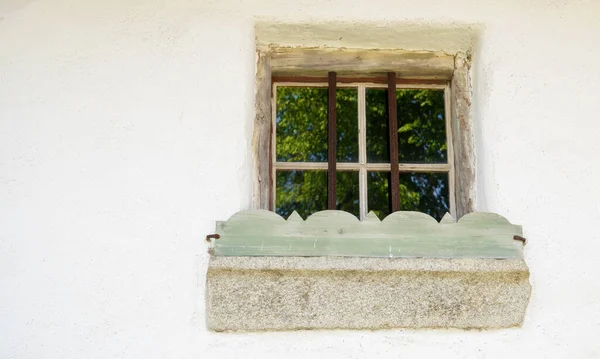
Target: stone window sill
[{"x": 253, "y": 292}]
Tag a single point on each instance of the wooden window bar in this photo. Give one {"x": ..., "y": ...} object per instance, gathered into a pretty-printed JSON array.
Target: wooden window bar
[
  {"x": 331, "y": 142},
  {"x": 393, "y": 131}
]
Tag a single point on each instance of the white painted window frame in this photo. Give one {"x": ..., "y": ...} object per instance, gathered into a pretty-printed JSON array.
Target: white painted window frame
[{"x": 362, "y": 167}]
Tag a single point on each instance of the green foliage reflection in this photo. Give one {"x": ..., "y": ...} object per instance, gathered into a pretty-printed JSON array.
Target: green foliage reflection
[
  {"x": 302, "y": 124},
  {"x": 302, "y": 137},
  {"x": 302, "y": 191},
  {"x": 421, "y": 126},
  {"x": 306, "y": 192},
  {"x": 424, "y": 192}
]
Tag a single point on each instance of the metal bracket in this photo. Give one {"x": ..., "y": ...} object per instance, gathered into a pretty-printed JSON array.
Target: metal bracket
[{"x": 519, "y": 238}]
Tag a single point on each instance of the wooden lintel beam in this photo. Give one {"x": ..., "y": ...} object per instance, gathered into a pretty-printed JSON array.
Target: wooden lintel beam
[{"x": 318, "y": 62}]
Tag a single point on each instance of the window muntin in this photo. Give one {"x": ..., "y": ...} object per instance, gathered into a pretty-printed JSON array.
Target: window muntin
[{"x": 299, "y": 140}]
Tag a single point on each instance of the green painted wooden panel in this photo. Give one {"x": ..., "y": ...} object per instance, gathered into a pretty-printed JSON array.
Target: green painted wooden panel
[{"x": 338, "y": 233}]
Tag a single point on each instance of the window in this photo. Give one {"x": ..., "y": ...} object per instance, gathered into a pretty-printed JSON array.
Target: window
[
  {"x": 432, "y": 151},
  {"x": 357, "y": 111},
  {"x": 297, "y": 164}
]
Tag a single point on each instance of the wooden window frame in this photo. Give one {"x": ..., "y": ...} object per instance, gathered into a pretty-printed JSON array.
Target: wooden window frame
[
  {"x": 371, "y": 68},
  {"x": 362, "y": 167}
]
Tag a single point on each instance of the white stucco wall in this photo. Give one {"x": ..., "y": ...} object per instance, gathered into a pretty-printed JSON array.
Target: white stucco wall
[{"x": 125, "y": 132}]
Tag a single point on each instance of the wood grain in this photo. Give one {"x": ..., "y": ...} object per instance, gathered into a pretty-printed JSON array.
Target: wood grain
[
  {"x": 331, "y": 142},
  {"x": 393, "y": 138},
  {"x": 318, "y": 62},
  {"x": 462, "y": 136},
  {"x": 338, "y": 233},
  {"x": 261, "y": 139}
]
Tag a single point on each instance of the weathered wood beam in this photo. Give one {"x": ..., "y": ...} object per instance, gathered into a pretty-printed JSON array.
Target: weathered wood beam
[
  {"x": 261, "y": 139},
  {"x": 318, "y": 62},
  {"x": 462, "y": 136},
  {"x": 382, "y": 80}
]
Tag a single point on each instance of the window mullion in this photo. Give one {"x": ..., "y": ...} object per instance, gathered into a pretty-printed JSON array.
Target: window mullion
[
  {"x": 393, "y": 131},
  {"x": 331, "y": 142},
  {"x": 450, "y": 151},
  {"x": 362, "y": 152},
  {"x": 272, "y": 151}
]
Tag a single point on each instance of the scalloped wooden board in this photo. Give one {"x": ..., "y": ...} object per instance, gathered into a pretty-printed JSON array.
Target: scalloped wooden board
[{"x": 338, "y": 233}]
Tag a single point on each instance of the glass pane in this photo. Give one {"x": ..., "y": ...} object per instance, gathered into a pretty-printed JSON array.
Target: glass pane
[
  {"x": 347, "y": 124},
  {"x": 377, "y": 126},
  {"x": 425, "y": 192},
  {"x": 421, "y": 126},
  {"x": 378, "y": 193},
  {"x": 301, "y": 191},
  {"x": 348, "y": 192},
  {"x": 301, "y": 120}
]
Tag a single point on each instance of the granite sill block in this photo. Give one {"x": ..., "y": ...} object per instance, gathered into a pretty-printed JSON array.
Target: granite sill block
[{"x": 293, "y": 293}]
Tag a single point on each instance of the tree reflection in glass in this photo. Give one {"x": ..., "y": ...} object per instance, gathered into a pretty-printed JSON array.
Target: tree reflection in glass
[
  {"x": 421, "y": 126},
  {"x": 301, "y": 121},
  {"x": 301, "y": 129},
  {"x": 306, "y": 192}
]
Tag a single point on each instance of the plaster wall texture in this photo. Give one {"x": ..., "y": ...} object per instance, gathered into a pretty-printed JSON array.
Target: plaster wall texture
[{"x": 125, "y": 133}]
